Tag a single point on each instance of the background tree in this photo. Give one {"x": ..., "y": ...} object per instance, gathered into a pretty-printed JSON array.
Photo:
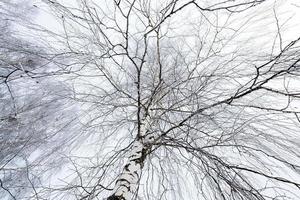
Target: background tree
[
  {"x": 34, "y": 106},
  {"x": 179, "y": 99}
]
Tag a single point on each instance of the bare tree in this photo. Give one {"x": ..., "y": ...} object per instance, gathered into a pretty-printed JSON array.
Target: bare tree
[
  {"x": 179, "y": 100},
  {"x": 35, "y": 110}
]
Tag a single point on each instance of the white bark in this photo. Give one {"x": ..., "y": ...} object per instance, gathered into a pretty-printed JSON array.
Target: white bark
[{"x": 127, "y": 183}]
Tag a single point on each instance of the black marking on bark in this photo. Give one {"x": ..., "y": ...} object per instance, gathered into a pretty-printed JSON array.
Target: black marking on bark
[
  {"x": 126, "y": 186},
  {"x": 138, "y": 152},
  {"x": 142, "y": 158},
  {"x": 123, "y": 180},
  {"x": 126, "y": 167},
  {"x": 114, "y": 197}
]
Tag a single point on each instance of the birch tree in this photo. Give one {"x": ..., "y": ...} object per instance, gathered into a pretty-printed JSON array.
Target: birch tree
[
  {"x": 180, "y": 99},
  {"x": 34, "y": 108}
]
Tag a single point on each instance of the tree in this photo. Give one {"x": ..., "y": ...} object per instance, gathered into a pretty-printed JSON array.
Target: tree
[
  {"x": 33, "y": 105},
  {"x": 179, "y": 100}
]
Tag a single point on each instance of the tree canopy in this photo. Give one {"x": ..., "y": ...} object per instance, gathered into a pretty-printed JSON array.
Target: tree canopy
[{"x": 145, "y": 99}]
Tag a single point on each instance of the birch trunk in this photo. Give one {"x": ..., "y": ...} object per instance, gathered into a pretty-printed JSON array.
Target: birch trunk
[{"x": 127, "y": 183}]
